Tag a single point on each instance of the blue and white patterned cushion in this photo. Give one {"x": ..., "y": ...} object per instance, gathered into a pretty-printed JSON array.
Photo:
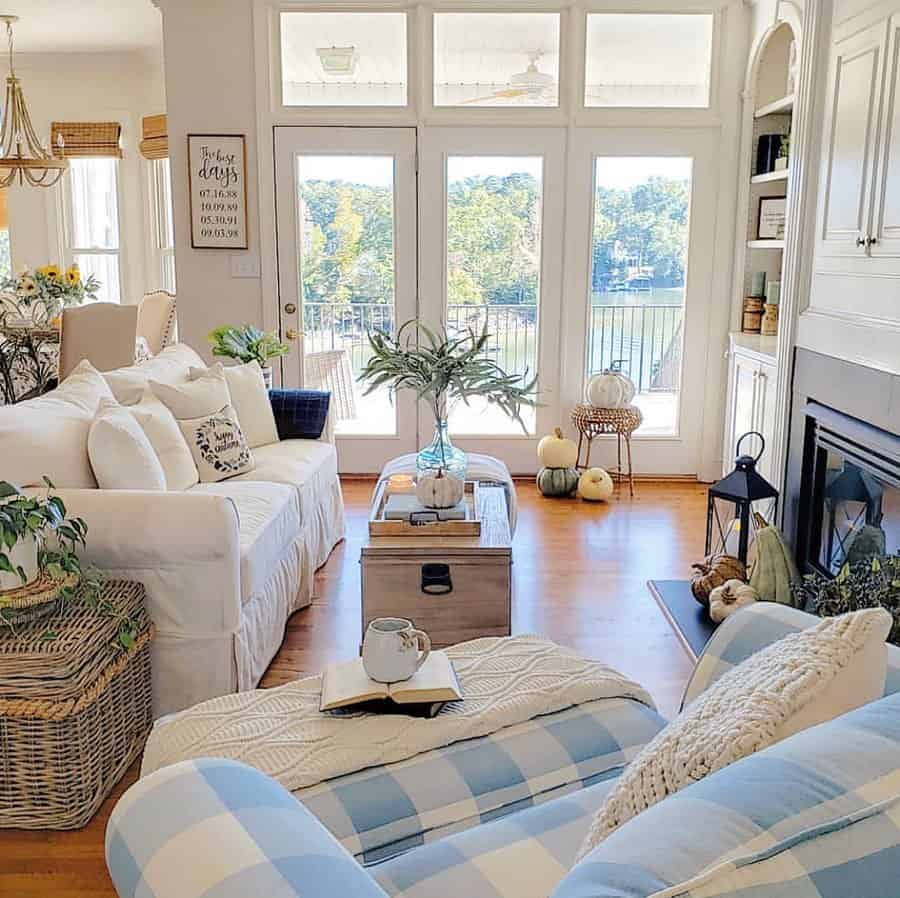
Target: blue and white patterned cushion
[
  {"x": 753, "y": 628},
  {"x": 524, "y": 855},
  {"x": 815, "y": 816},
  {"x": 386, "y": 810},
  {"x": 300, "y": 414},
  {"x": 219, "y": 829}
]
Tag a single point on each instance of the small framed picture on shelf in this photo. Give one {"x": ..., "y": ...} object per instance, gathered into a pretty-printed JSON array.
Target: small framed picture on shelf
[{"x": 770, "y": 224}]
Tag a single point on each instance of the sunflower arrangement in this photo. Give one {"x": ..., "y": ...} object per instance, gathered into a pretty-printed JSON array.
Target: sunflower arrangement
[{"x": 41, "y": 294}]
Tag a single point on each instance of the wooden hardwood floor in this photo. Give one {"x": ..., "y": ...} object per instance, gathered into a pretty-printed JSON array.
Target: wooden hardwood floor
[{"x": 579, "y": 577}]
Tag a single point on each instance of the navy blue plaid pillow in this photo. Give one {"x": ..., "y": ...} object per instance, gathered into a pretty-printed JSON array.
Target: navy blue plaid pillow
[{"x": 300, "y": 414}]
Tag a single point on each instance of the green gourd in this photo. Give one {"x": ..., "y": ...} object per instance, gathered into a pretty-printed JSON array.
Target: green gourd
[
  {"x": 774, "y": 569},
  {"x": 557, "y": 481}
]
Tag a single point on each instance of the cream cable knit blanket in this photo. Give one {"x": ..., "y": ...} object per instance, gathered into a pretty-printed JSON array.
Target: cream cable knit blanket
[{"x": 282, "y": 732}]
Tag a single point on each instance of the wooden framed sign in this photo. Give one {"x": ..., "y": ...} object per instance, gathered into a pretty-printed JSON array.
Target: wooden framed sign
[{"x": 217, "y": 166}]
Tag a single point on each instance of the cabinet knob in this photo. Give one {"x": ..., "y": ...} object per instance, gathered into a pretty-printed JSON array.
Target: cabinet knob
[
  {"x": 870, "y": 241},
  {"x": 861, "y": 241}
]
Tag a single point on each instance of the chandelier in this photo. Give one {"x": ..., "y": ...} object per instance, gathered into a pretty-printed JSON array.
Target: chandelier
[{"x": 22, "y": 158}]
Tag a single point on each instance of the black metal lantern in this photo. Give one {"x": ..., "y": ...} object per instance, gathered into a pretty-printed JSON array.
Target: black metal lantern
[{"x": 729, "y": 509}]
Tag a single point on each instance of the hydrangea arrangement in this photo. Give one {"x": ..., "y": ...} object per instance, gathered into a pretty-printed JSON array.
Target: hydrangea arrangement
[{"x": 41, "y": 294}]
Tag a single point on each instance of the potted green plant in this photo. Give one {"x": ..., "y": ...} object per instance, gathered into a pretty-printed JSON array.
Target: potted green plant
[
  {"x": 248, "y": 344},
  {"x": 784, "y": 153},
  {"x": 26, "y": 522},
  {"x": 440, "y": 369}
]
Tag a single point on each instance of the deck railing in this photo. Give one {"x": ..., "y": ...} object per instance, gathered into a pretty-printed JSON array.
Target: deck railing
[{"x": 645, "y": 341}]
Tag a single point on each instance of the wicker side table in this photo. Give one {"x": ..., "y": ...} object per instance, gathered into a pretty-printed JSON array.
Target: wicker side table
[
  {"x": 592, "y": 421},
  {"x": 75, "y": 709}
]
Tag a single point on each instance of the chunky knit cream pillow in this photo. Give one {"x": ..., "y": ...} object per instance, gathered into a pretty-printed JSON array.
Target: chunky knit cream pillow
[{"x": 802, "y": 680}]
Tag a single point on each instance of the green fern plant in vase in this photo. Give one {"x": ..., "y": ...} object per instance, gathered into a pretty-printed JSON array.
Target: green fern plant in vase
[
  {"x": 248, "y": 344},
  {"x": 441, "y": 369}
]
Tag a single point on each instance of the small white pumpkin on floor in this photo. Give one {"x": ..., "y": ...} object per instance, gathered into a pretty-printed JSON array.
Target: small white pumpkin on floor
[
  {"x": 595, "y": 485},
  {"x": 731, "y": 596},
  {"x": 440, "y": 490},
  {"x": 556, "y": 451}
]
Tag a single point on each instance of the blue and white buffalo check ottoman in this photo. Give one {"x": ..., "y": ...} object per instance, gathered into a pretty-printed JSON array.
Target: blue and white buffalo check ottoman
[{"x": 503, "y": 816}]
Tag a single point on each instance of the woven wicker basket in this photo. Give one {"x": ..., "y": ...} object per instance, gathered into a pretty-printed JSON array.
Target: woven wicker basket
[{"x": 75, "y": 711}]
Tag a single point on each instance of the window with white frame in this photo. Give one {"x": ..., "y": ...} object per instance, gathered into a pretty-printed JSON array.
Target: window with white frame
[
  {"x": 496, "y": 59},
  {"x": 162, "y": 226},
  {"x": 648, "y": 59},
  {"x": 343, "y": 58},
  {"x": 91, "y": 201}
]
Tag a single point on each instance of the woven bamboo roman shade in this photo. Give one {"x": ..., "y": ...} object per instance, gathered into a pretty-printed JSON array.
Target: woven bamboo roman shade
[
  {"x": 155, "y": 144},
  {"x": 83, "y": 139}
]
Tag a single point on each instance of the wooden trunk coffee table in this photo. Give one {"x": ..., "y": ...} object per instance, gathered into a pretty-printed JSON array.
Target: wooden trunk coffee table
[{"x": 453, "y": 587}]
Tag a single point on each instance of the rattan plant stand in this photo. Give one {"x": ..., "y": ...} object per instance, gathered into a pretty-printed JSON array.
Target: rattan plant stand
[
  {"x": 591, "y": 421},
  {"x": 75, "y": 708}
]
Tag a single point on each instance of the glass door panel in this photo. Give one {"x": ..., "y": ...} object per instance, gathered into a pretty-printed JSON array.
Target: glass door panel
[
  {"x": 640, "y": 240},
  {"x": 492, "y": 259},
  {"x": 346, "y": 224},
  {"x": 347, "y": 267},
  {"x": 493, "y": 253},
  {"x": 639, "y": 248}
]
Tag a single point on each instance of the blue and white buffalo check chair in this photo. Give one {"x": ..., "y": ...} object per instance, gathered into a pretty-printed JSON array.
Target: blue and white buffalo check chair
[{"x": 815, "y": 816}]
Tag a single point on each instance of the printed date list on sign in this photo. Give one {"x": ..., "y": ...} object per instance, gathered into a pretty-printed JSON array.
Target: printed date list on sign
[{"x": 218, "y": 191}]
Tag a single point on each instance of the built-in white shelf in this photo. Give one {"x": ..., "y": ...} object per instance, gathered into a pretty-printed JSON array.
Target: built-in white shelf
[
  {"x": 778, "y": 107},
  {"x": 765, "y": 244},
  {"x": 770, "y": 176}
]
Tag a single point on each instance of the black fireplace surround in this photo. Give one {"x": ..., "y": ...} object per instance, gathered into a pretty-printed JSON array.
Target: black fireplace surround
[{"x": 842, "y": 484}]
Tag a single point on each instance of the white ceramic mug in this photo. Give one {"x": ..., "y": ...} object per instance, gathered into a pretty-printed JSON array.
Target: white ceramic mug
[{"x": 391, "y": 649}]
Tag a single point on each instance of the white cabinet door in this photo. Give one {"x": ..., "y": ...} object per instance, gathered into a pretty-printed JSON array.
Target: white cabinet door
[
  {"x": 886, "y": 208},
  {"x": 744, "y": 373},
  {"x": 851, "y": 127},
  {"x": 766, "y": 398}
]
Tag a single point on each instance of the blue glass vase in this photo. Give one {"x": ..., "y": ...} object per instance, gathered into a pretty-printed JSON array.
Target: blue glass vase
[{"x": 441, "y": 454}]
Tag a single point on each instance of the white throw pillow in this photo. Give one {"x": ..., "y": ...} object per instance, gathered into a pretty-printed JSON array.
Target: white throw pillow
[
  {"x": 218, "y": 445},
  {"x": 164, "y": 434},
  {"x": 800, "y": 681},
  {"x": 170, "y": 366},
  {"x": 120, "y": 453},
  {"x": 48, "y": 436},
  {"x": 250, "y": 400},
  {"x": 198, "y": 398}
]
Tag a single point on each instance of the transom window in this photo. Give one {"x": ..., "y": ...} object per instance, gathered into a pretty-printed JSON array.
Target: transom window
[
  {"x": 648, "y": 59},
  {"x": 343, "y": 59},
  {"x": 496, "y": 59}
]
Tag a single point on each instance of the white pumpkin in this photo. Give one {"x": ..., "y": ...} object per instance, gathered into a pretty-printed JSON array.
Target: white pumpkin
[
  {"x": 595, "y": 485},
  {"x": 557, "y": 451},
  {"x": 440, "y": 490},
  {"x": 731, "y": 596},
  {"x": 611, "y": 389}
]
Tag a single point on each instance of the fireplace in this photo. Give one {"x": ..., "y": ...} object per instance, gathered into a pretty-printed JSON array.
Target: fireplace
[{"x": 843, "y": 479}]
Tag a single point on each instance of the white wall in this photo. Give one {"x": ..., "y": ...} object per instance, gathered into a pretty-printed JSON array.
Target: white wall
[
  {"x": 89, "y": 87},
  {"x": 211, "y": 87}
]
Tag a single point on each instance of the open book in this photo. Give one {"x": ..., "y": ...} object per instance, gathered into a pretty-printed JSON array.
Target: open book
[{"x": 432, "y": 684}]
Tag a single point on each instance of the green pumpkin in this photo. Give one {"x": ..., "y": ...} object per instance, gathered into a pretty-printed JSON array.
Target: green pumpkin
[{"x": 557, "y": 481}]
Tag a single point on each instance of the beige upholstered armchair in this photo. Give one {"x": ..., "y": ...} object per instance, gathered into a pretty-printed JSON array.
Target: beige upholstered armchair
[
  {"x": 101, "y": 332},
  {"x": 157, "y": 320}
]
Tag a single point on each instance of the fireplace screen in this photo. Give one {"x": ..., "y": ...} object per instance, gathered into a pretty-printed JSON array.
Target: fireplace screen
[{"x": 858, "y": 511}]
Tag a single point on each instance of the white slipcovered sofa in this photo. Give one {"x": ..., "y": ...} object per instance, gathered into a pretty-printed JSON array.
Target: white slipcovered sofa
[{"x": 224, "y": 564}]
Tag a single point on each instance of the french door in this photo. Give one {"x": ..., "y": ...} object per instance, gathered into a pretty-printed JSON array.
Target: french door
[
  {"x": 641, "y": 212},
  {"x": 346, "y": 216},
  {"x": 491, "y": 250},
  {"x": 474, "y": 241}
]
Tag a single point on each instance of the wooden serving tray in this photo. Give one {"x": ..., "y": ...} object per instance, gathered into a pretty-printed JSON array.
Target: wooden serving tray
[{"x": 378, "y": 526}]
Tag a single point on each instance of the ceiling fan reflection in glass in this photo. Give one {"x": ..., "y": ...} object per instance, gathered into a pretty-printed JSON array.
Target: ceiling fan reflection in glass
[{"x": 496, "y": 59}]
